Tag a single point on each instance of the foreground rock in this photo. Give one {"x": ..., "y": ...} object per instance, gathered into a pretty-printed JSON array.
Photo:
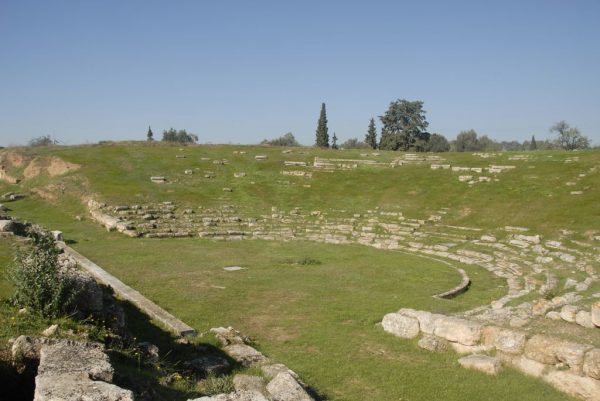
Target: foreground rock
[
  {"x": 245, "y": 354},
  {"x": 284, "y": 387},
  {"x": 70, "y": 370},
  {"x": 575, "y": 385},
  {"x": 400, "y": 325},
  {"x": 70, "y": 387}
]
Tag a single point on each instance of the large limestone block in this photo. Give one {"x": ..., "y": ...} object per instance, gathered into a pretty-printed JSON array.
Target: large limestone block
[
  {"x": 245, "y": 354},
  {"x": 542, "y": 349},
  {"x": 228, "y": 335},
  {"x": 568, "y": 313},
  {"x": 270, "y": 371},
  {"x": 285, "y": 388},
  {"x": 426, "y": 319},
  {"x": 400, "y": 325},
  {"x": 529, "y": 366},
  {"x": 551, "y": 351},
  {"x": 572, "y": 354},
  {"x": 509, "y": 341},
  {"x": 584, "y": 319},
  {"x": 77, "y": 387},
  {"x": 577, "y": 386},
  {"x": 470, "y": 349},
  {"x": 482, "y": 363},
  {"x": 73, "y": 358},
  {"x": 591, "y": 363},
  {"x": 433, "y": 343},
  {"x": 458, "y": 330},
  {"x": 595, "y": 311}
]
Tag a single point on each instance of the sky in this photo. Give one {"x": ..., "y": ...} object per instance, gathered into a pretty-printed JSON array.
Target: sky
[{"x": 242, "y": 71}]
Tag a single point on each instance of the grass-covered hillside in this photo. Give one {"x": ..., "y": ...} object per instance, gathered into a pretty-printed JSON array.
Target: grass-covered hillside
[
  {"x": 310, "y": 293},
  {"x": 536, "y": 193}
]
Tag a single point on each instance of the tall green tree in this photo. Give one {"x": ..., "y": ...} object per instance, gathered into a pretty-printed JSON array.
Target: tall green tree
[
  {"x": 150, "y": 134},
  {"x": 371, "y": 137},
  {"x": 404, "y": 126},
  {"x": 533, "y": 143},
  {"x": 322, "y": 135},
  {"x": 181, "y": 136}
]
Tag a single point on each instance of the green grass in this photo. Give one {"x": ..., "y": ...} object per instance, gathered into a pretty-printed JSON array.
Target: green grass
[
  {"x": 318, "y": 318},
  {"x": 534, "y": 194}
]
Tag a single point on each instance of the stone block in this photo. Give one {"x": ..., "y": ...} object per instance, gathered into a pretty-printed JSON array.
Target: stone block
[
  {"x": 400, "y": 325},
  {"x": 482, "y": 363},
  {"x": 458, "y": 330}
]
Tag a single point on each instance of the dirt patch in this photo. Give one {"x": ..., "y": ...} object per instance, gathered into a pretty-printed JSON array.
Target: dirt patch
[
  {"x": 58, "y": 166},
  {"x": 33, "y": 169},
  {"x": 53, "y": 167},
  {"x": 14, "y": 158}
]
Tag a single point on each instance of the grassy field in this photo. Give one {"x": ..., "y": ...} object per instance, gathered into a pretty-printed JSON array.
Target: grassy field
[{"x": 319, "y": 319}]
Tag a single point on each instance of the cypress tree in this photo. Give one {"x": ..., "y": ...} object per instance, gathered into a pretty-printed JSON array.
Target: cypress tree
[
  {"x": 532, "y": 144},
  {"x": 150, "y": 134},
  {"x": 322, "y": 135},
  {"x": 371, "y": 137}
]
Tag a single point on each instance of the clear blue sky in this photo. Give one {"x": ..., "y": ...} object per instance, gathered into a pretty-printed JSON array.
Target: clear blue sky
[{"x": 242, "y": 71}]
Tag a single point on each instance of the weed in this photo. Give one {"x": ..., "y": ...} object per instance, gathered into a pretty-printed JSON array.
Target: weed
[
  {"x": 40, "y": 284},
  {"x": 307, "y": 261}
]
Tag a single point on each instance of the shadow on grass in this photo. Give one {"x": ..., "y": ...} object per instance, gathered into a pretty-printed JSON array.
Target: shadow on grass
[{"x": 148, "y": 380}]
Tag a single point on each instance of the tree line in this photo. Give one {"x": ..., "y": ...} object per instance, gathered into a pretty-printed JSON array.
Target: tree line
[{"x": 404, "y": 128}]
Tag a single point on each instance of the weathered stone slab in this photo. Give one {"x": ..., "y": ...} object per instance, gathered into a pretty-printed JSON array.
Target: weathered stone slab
[
  {"x": 509, "y": 341},
  {"x": 433, "y": 343},
  {"x": 591, "y": 363},
  {"x": 458, "y": 330},
  {"x": 77, "y": 387},
  {"x": 577, "y": 386},
  {"x": 245, "y": 354},
  {"x": 400, "y": 325},
  {"x": 529, "y": 366},
  {"x": 284, "y": 387},
  {"x": 69, "y": 357},
  {"x": 482, "y": 363}
]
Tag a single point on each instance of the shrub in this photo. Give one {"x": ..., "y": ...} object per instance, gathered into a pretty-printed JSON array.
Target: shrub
[
  {"x": 285, "y": 140},
  {"x": 39, "y": 282},
  {"x": 307, "y": 260},
  {"x": 354, "y": 143},
  {"x": 44, "y": 140}
]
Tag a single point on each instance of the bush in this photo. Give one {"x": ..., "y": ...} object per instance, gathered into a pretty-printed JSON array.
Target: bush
[
  {"x": 307, "y": 260},
  {"x": 45, "y": 140},
  {"x": 285, "y": 140},
  {"x": 39, "y": 282},
  {"x": 354, "y": 143}
]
